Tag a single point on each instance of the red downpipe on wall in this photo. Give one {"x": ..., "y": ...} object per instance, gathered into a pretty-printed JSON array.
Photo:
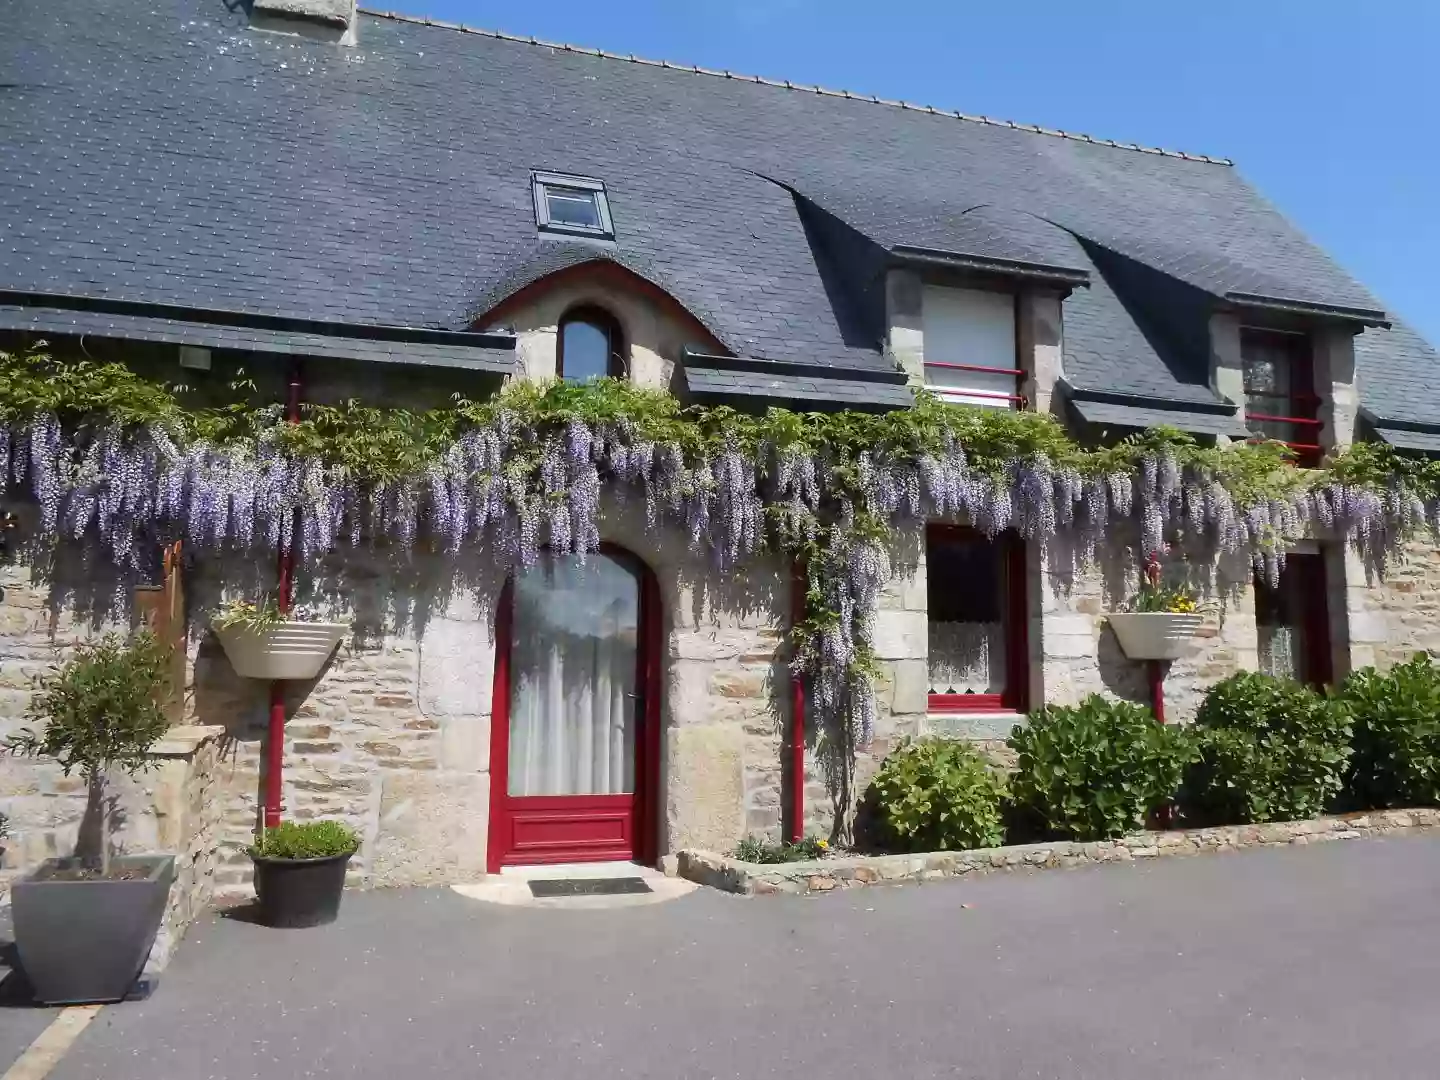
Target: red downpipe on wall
[
  {"x": 275, "y": 741},
  {"x": 796, "y": 832},
  {"x": 1157, "y": 688}
]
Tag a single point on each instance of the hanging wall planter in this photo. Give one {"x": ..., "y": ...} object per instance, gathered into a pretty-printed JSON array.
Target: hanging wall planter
[
  {"x": 285, "y": 650},
  {"x": 1155, "y": 635}
]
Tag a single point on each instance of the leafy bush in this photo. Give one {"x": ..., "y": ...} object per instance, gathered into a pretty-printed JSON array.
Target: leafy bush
[
  {"x": 1268, "y": 749},
  {"x": 305, "y": 840},
  {"x": 100, "y": 710},
  {"x": 937, "y": 795},
  {"x": 1396, "y": 720},
  {"x": 756, "y": 849},
  {"x": 1094, "y": 771}
]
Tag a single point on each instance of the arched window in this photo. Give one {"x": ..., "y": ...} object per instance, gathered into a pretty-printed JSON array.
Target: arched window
[{"x": 590, "y": 346}]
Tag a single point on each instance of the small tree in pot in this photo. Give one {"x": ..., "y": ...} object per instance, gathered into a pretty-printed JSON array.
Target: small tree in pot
[{"x": 84, "y": 925}]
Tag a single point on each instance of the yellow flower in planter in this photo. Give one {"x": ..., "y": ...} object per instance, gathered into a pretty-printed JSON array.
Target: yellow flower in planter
[{"x": 1155, "y": 596}]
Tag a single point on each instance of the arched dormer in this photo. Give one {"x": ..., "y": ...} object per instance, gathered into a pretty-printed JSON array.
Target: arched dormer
[{"x": 647, "y": 329}]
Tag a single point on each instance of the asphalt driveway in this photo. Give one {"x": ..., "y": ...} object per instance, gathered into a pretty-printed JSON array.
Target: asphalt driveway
[{"x": 1314, "y": 962}]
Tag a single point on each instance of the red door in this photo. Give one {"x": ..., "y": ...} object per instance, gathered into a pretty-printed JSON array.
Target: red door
[{"x": 575, "y": 734}]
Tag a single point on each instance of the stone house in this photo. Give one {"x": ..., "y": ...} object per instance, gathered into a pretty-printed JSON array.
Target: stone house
[{"x": 393, "y": 209}]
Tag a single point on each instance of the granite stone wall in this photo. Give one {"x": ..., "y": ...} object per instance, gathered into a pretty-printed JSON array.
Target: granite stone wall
[
  {"x": 859, "y": 871},
  {"x": 1394, "y": 616},
  {"x": 394, "y": 736}
]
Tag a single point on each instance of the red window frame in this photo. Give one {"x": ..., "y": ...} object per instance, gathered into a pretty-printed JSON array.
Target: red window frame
[
  {"x": 1014, "y": 611},
  {"x": 1300, "y": 408},
  {"x": 1304, "y": 577}
]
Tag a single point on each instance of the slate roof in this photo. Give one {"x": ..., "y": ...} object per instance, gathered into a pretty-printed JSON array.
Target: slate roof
[
  {"x": 1426, "y": 442},
  {"x": 804, "y": 386},
  {"x": 167, "y": 153},
  {"x": 1133, "y": 412},
  {"x": 123, "y": 321}
]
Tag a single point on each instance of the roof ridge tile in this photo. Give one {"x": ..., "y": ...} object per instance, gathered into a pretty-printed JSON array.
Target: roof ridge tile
[{"x": 1056, "y": 133}]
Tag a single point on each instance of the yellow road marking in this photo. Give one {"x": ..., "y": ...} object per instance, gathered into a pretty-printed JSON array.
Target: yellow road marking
[{"x": 50, "y": 1046}]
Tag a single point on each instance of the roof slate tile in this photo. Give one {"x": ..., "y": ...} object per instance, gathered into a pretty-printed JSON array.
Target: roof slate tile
[{"x": 176, "y": 156}]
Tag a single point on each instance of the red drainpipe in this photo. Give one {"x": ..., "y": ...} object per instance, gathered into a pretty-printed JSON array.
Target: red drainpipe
[
  {"x": 797, "y": 721},
  {"x": 1157, "y": 688},
  {"x": 1165, "y": 815},
  {"x": 275, "y": 741}
]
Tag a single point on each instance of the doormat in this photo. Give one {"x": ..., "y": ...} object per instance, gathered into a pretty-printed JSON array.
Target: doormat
[{"x": 603, "y": 886}]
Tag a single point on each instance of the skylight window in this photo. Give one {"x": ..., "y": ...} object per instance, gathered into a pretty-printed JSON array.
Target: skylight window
[{"x": 572, "y": 204}]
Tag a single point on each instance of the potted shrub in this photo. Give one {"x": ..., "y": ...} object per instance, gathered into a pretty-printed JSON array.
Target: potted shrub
[
  {"x": 1163, "y": 621},
  {"x": 85, "y": 924},
  {"x": 300, "y": 871},
  {"x": 264, "y": 644}
]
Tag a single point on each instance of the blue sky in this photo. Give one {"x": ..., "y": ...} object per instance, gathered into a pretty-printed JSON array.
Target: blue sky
[{"x": 1333, "y": 114}]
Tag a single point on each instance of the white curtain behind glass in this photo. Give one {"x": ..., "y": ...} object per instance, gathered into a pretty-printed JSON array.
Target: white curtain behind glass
[
  {"x": 1281, "y": 648},
  {"x": 572, "y": 678},
  {"x": 967, "y": 658}
]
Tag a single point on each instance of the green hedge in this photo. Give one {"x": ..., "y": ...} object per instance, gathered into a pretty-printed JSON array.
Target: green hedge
[
  {"x": 1261, "y": 749},
  {"x": 936, "y": 795},
  {"x": 1396, "y": 720},
  {"x": 1094, "y": 770},
  {"x": 1267, "y": 749}
]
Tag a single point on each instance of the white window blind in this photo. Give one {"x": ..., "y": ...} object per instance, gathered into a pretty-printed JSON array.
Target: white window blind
[{"x": 967, "y": 329}]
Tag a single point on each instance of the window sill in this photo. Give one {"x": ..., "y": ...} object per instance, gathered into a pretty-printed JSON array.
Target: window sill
[
  {"x": 967, "y": 703},
  {"x": 990, "y": 725}
]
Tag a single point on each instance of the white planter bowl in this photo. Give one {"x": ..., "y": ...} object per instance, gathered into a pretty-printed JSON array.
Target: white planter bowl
[
  {"x": 1155, "y": 635},
  {"x": 291, "y": 650}
]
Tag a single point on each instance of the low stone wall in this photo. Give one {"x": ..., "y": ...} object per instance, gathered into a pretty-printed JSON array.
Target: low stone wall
[
  {"x": 826, "y": 875},
  {"x": 187, "y": 812}
]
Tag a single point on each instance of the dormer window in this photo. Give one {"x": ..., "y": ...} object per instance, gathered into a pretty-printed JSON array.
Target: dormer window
[
  {"x": 572, "y": 204},
  {"x": 1280, "y": 398},
  {"x": 971, "y": 354},
  {"x": 590, "y": 346}
]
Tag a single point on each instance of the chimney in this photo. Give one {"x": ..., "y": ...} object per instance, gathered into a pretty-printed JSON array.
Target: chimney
[{"x": 324, "y": 20}]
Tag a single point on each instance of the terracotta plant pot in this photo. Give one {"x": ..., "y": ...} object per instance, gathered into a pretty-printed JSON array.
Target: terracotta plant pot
[
  {"x": 1155, "y": 635},
  {"x": 289, "y": 650}
]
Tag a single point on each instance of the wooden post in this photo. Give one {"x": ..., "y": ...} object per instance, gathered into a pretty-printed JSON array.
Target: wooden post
[{"x": 162, "y": 609}]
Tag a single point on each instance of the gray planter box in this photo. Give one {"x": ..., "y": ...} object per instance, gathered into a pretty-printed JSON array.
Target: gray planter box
[{"x": 86, "y": 941}]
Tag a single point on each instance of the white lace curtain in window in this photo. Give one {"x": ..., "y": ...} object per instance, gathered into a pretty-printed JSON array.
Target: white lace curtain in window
[
  {"x": 967, "y": 657},
  {"x": 573, "y": 699}
]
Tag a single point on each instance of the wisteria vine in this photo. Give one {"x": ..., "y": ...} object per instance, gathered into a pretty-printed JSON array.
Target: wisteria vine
[{"x": 119, "y": 463}]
